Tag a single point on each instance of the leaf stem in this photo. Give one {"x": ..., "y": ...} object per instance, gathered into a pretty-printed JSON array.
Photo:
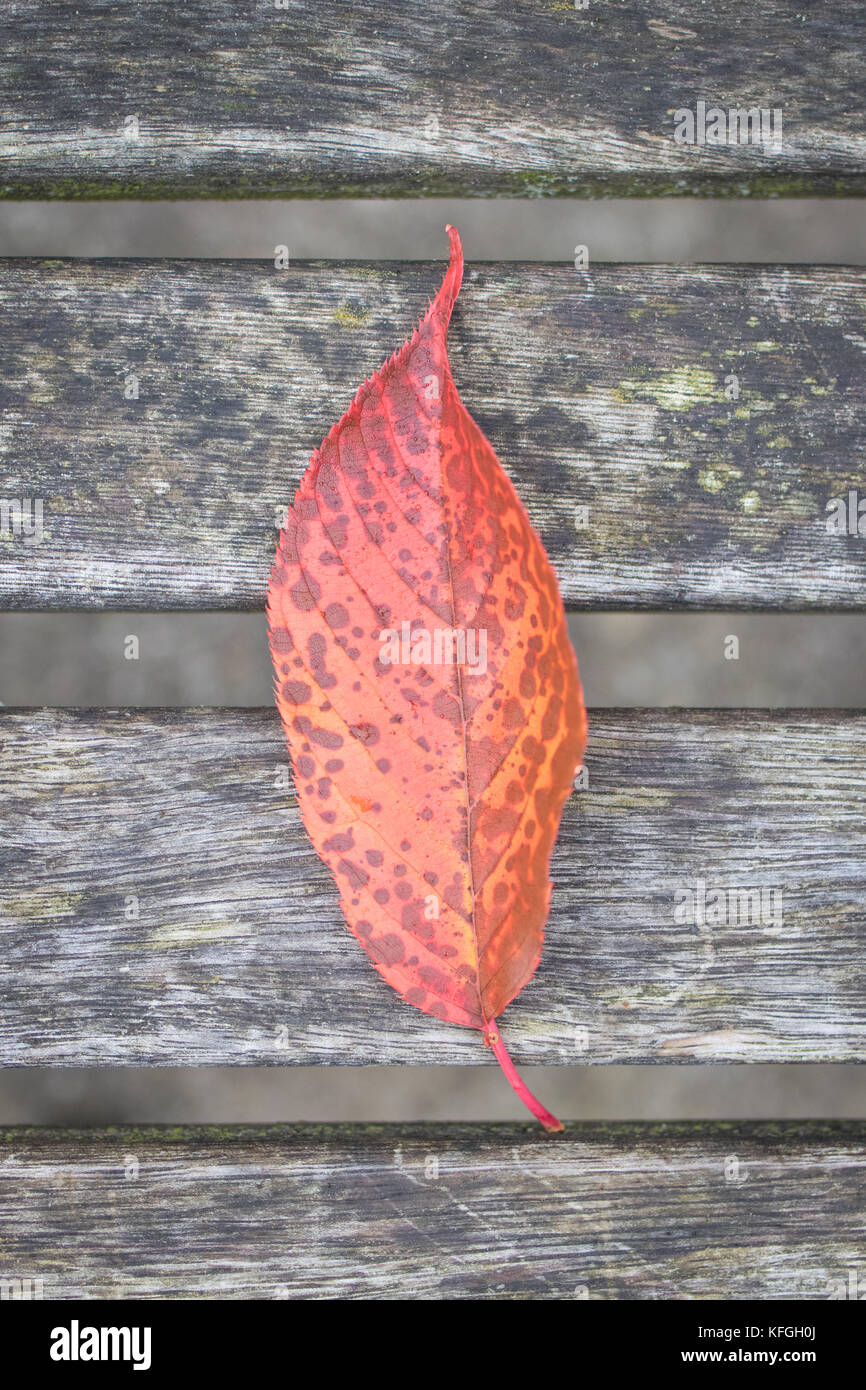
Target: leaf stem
[{"x": 493, "y": 1039}]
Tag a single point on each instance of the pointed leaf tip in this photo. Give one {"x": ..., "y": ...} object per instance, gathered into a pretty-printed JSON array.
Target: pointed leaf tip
[{"x": 453, "y": 279}]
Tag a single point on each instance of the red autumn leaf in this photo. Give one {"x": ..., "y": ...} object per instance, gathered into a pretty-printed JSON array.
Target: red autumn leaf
[{"x": 428, "y": 689}]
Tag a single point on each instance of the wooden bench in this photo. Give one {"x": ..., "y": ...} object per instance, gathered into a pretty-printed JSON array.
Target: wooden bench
[{"x": 677, "y": 435}]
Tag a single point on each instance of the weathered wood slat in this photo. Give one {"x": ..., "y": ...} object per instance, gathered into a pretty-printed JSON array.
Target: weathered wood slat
[
  {"x": 603, "y": 391},
  {"x": 716, "y": 1211},
  {"x": 160, "y": 902},
  {"x": 526, "y": 99}
]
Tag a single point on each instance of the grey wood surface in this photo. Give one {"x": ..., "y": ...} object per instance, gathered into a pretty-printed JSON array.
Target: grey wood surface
[
  {"x": 716, "y": 1211},
  {"x": 361, "y": 98},
  {"x": 161, "y": 904},
  {"x": 602, "y": 391}
]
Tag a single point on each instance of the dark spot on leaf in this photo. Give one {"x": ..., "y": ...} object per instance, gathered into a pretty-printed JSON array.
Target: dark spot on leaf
[{"x": 296, "y": 692}]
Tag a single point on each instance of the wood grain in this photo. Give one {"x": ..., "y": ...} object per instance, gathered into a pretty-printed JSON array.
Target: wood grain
[
  {"x": 238, "y": 953},
  {"x": 602, "y": 390},
  {"x": 717, "y": 1211},
  {"x": 532, "y": 98}
]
